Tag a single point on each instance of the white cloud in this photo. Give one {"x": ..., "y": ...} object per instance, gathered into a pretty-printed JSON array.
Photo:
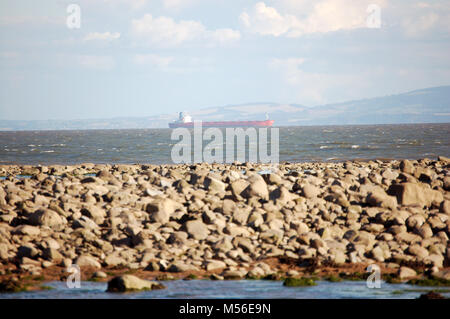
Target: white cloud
[
  {"x": 180, "y": 64},
  {"x": 416, "y": 18},
  {"x": 416, "y": 25},
  {"x": 178, "y": 4},
  {"x": 165, "y": 32},
  {"x": 311, "y": 87},
  {"x": 319, "y": 17},
  {"x": 153, "y": 59},
  {"x": 135, "y": 4},
  {"x": 294, "y": 76},
  {"x": 132, "y": 4},
  {"x": 106, "y": 36},
  {"x": 99, "y": 62},
  {"x": 224, "y": 36},
  {"x": 421, "y": 18},
  {"x": 267, "y": 21},
  {"x": 11, "y": 20}
]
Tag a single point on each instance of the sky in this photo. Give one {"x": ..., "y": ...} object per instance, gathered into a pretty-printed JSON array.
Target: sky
[{"x": 134, "y": 58}]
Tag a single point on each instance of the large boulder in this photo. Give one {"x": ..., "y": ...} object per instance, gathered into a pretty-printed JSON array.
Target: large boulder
[
  {"x": 406, "y": 272},
  {"x": 240, "y": 215},
  {"x": 161, "y": 209},
  {"x": 281, "y": 195},
  {"x": 114, "y": 260},
  {"x": 228, "y": 207},
  {"x": 196, "y": 229},
  {"x": 106, "y": 175},
  {"x": 256, "y": 272},
  {"x": 97, "y": 214},
  {"x": 447, "y": 183},
  {"x": 238, "y": 187},
  {"x": 52, "y": 255},
  {"x": 257, "y": 188},
  {"x": 27, "y": 250},
  {"x": 310, "y": 191},
  {"x": 444, "y": 159},
  {"x": 418, "y": 251},
  {"x": 416, "y": 194},
  {"x": 4, "y": 251},
  {"x": 180, "y": 266},
  {"x": 233, "y": 274},
  {"x": 47, "y": 217},
  {"x": 381, "y": 199},
  {"x": 407, "y": 167},
  {"x": 131, "y": 283},
  {"x": 178, "y": 237},
  {"x": 211, "y": 265},
  {"x": 26, "y": 230},
  {"x": 223, "y": 245},
  {"x": 88, "y": 261},
  {"x": 445, "y": 207},
  {"x": 214, "y": 185},
  {"x": 443, "y": 274},
  {"x": 84, "y": 222},
  {"x": 234, "y": 230}
]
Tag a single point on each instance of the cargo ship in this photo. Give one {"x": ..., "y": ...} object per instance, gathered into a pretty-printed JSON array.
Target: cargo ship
[{"x": 185, "y": 120}]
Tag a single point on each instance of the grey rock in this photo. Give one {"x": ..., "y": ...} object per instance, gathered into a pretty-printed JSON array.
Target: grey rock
[
  {"x": 310, "y": 191},
  {"x": 161, "y": 209},
  {"x": 406, "y": 272},
  {"x": 214, "y": 185},
  {"x": 47, "y": 217},
  {"x": 212, "y": 265},
  {"x": 180, "y": 266},
  {"x": 99, "y": 274},
  {"x": 26, "y": 230},
  {"x": 97, "y": 214},
  {"x": 88, "y": 261},
  {"x": 257, "y": 188},
  {"x": 196, "y": 229},
  {"x": 131, "y": 283}
]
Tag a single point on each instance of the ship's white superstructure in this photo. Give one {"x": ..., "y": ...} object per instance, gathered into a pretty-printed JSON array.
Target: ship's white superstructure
[{"x": 184, "y": 118}]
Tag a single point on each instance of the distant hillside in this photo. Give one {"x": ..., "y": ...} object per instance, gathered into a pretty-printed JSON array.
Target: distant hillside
[
  {"x": 430, "y": 105},
  {"x": 421, "y": 106}
]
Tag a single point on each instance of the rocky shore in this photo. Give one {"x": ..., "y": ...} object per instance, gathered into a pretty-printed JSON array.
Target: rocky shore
[{"x": 223, "y": 221}]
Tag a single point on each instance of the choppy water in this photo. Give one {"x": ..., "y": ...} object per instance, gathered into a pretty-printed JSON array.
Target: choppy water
[
  {"x": 297, "y": 144},
  {"x": 235, "y": 289}
]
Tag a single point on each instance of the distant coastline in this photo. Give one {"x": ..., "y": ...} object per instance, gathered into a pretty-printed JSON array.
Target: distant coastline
[
  {"x": 416, "y": 107},
  {"x": 9, "y": 130}
]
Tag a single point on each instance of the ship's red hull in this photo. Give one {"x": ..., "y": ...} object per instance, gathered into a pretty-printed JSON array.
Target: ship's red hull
[{"x": 226, "y": 124}]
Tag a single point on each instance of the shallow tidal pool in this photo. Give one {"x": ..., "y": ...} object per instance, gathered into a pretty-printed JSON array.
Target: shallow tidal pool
[{"x": 234, "y": 289}]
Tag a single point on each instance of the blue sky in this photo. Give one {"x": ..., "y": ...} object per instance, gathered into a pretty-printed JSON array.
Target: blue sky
[{"x": 147, "y": 57}]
